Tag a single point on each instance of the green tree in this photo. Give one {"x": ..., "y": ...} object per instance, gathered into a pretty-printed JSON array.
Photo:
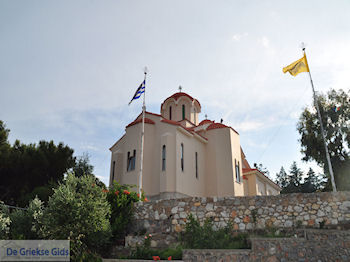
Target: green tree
[
  {"x": 5, "y": 221},
  {"x": 335, "y": 113},
  {"x": 282, "y": 178},
  {"x": 78, "y": 210},
  {"x": 23, "y": 168},
  {"x": 295, "y": 174},
  {"x": 294, "y": 180},
  {"x": 82, "y": 166},
  {"x": 4, "y": 133},
  {"x": 312, "y": 182},
  {"x": 262, "y": 169}
]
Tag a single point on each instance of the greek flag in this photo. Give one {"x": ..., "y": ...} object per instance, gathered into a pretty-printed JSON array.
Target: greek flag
[{"x": 139, "y": 91}]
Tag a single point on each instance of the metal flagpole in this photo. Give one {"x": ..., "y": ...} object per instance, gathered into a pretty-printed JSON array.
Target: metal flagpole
[
  {"x": 322, "y": 130},
  {"x": 142, "y": 135}
]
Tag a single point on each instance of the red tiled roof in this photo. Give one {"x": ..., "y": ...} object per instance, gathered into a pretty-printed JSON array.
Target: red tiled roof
[
  {"x": 170, "y": 122},
  {"x": 152, "y": 113},
  {"x": 205, "y": 121},
  {"x": 246, "y": 170},
  {"x": 219, "y": 125},
  {"x": 177, "y": 95},
  {"x": 188, "y": 129},
  {"x": 147, "y": 121},
  {"x": 216, "y": 125},
  {"x": 187, "y": 121},
  {"x": 200, "y": 135}
]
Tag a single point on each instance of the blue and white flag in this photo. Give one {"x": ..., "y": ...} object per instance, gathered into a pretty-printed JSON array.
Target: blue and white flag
[{"x": 139, "y": 91}]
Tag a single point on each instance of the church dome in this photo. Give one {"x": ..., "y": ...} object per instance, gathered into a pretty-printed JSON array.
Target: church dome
[
  {"x": 178, "y": 95},
  {"x": 181, "y": 106}
]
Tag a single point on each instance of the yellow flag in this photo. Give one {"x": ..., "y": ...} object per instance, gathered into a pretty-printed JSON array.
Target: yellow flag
[{"x": 297, "y": 67}]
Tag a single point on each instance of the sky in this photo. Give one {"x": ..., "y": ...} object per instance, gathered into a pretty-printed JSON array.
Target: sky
[{"x": 69, "y": 68}]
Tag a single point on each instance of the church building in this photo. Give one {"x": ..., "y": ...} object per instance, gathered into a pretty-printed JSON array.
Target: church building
[{"x": 184, "y": 157}]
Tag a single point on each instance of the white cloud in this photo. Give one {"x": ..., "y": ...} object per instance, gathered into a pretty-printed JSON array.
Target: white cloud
[
  {"x": 90, "y": 146},
  {"x": 238, "y": 37},
  {"x": 264, "y": 41},
  {"x": 249, "y": 125},
  {"x": 253, "y": 144}
]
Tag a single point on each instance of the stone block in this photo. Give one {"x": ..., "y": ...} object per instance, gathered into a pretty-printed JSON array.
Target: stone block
[
  {"x": 246, "y": 219},
  {"x": 174, "y": 210},
  {"x": 209, "y": 207}
]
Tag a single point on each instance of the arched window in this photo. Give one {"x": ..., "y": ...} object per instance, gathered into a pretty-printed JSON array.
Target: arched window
[
  {"x": 182, "y": 157},
  {"x": 130, "y": 165},
  {"x": 170, "y": 113},
  {"x": 238, "y": 175},
  {"x": 196, "y": 160},
  {"x": 183, "y": 112},
  {"x": 113, "y": 170},
  {"x": 163, "y": 157}
]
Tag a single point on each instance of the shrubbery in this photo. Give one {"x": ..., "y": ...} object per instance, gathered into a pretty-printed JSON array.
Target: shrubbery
[
  {"x": 78, "y": 210},
  {"x": 146, "y": 252},
  {"x": 25, "y": 223},
  {"x": 81, "y": 210},
  {"x": 121, "y": 200},
  {"x": 196, "y": 236},
  {"x": 5, "y": 221}
]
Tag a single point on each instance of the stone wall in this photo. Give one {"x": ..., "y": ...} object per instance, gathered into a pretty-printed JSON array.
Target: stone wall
[
  {"x": 306, "y": 245},
  {"x": 314, "y": 210},
  {"x": 277, "y": 249}
]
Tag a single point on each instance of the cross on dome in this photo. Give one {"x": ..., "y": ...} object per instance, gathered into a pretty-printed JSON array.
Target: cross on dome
[{"x": 180, "y": 88}]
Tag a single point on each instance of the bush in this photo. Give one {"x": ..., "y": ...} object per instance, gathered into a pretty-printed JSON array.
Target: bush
[
  {"x": 78, "y": 210},
  {"x": 42, "y": 192},
  {"x": 196, "y": 236},
  {"x": 25, "y": 222},
  {"x": 121, "y": 200},
  {"x": 5, "y": 221},
  {"x": 146, "y": 252}
]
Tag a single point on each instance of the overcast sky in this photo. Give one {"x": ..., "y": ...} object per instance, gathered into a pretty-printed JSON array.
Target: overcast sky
[{"x": 69, "y": 68}]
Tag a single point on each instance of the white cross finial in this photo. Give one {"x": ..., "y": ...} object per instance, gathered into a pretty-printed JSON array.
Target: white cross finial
[{"x": 180, "y": 88}]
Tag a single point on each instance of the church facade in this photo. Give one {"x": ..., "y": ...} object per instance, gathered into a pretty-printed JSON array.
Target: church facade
[{"x": 185, "y": 157}]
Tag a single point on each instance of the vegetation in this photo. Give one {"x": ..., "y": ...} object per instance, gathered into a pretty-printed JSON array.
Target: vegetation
[
  {"x": 121, "y": 200},
  {"x": 5, "y": 221},
  {"x": 335, "y": 112},
  {"x": 82, "y": 166},
  {"x": 294, "y": 182},
  {"x": 24, "y": 222},
  {"x": 196, "y": 236},
  {"x": 262, "y": 169},
  {"x": 146, "y": 252},
  {"x": 78, "y": 210},
  {"x": 38, "y": 167}
]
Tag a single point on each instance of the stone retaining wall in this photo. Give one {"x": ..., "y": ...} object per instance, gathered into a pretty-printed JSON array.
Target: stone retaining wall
[
  {"x": 307, "y": 245},
  {"x": 277, "y": 249},
  {"x": 312, "y": 210}
]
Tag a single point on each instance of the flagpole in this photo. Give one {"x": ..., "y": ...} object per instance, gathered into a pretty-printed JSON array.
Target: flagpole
[
  {"x": 322, "y": 130},
  {"x": 142, "y": 135}
]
